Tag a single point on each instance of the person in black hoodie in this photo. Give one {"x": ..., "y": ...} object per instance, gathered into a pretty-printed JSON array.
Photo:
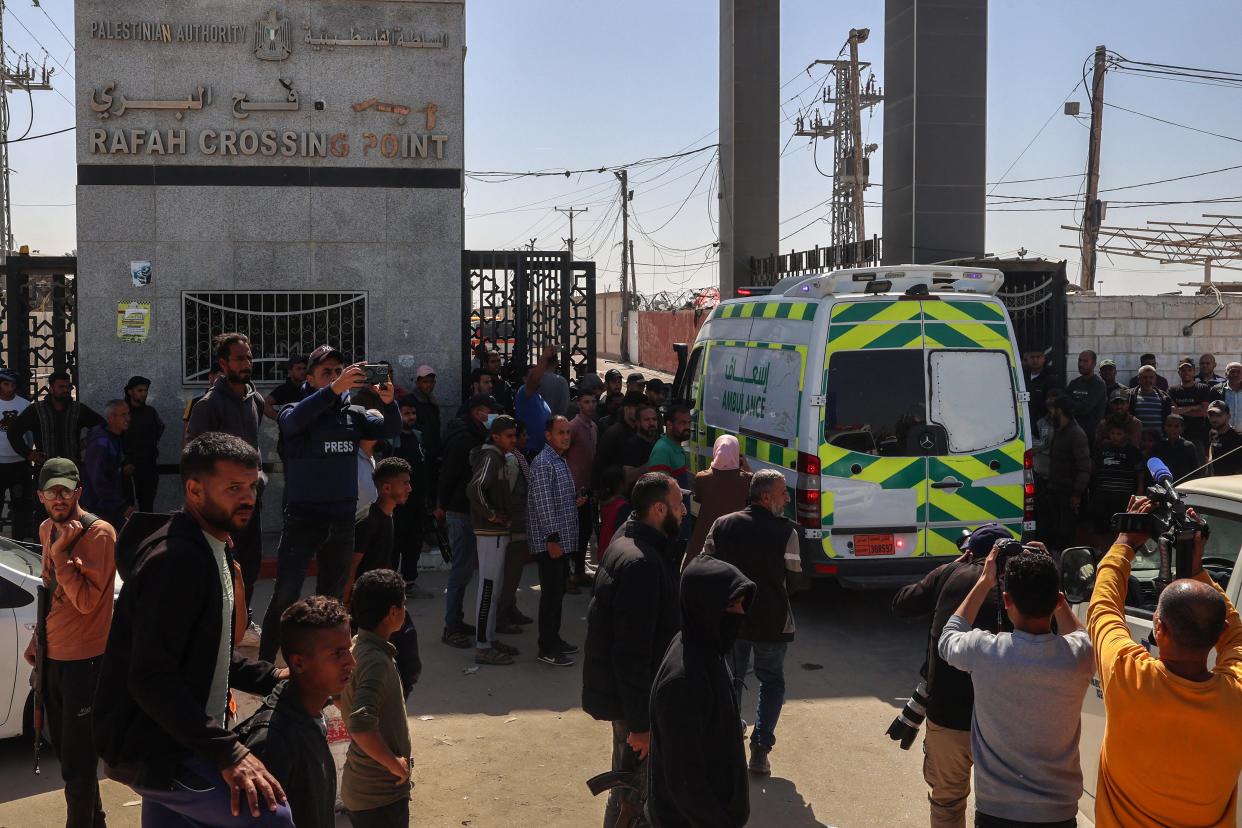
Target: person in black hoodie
[
  {"x": 142, "y": 441},
  {"x": 161, "y": 707},
  {"x": 630, "y": 622},
  {"x": 286, "y": 732},
  {"x": 698, "y": 764}
]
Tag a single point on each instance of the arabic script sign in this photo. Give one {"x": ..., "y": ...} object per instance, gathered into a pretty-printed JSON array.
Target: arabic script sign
[{"x": 757, "y": 389}]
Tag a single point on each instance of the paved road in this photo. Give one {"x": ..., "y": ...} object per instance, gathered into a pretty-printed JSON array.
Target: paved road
[{"x": 509, "y": 746}]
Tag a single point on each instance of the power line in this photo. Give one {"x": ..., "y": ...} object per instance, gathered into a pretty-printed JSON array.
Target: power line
[
  {"x": 63, "y": 36},
  {"x": 1174, "y": 123},
  {"x": 1059, "y": 108},
  {"x": 510, "y": 176},
  {"x": 33, "y": 137}
]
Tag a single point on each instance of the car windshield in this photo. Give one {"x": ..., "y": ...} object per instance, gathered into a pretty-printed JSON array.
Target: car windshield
[{"x": 19, "y": 558}]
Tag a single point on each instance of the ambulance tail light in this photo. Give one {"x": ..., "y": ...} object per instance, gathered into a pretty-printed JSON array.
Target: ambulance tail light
[
  {"x": 807, "y": 491},
  {"x": 1028, "y": 487}
]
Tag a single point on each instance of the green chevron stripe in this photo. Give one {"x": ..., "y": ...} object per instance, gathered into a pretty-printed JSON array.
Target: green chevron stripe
[
  {"x": 857, "y": 311},
  {"x": 983, "y": 311}
]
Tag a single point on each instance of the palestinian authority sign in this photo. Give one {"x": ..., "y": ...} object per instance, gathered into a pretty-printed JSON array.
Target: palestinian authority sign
[{"x": 753, "y": 388}]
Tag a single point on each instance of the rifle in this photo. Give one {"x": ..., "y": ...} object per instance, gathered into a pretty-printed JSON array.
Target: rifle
[{"x": 633, "y": 794}]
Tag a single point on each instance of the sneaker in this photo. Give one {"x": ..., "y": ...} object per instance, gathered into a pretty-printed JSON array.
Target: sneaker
[
  {"x": 493, "y": 657},
  {"x": 517, "y": 617},
  {"x": 567, "y": 648},
  {"x": 509, "y": 629},
  {"x": 759, "y": 761},
  {"x": 507, "y": 649},
  {"x": 413, "y": 590},
  {"x": 556, "y": 659},
  {"x": 250, "y": 638},
  {"x": 456, "y": 638}
]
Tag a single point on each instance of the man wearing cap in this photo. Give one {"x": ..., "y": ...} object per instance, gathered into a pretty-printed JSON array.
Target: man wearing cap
[
  {"x": 635, "y": 382},
  {"x": 108, "y": 492},
  {"x": 1190, "y": 399},
  {"x": 54, "y": 425},
  {"x": 322, "y": 433},
  {"x": 657, "y": 395},
  {"x": 428, "y": 414},
  {"x": 14, "y": 470},
  {"x": 951, "y": 700},
  {"x": 1040, "y": 378},
  {"x": 142, "y": 442},
  {"x": 1230, "y": 392},
  {"x": 79, "y": 565},
  {"x": 1149, "y": 360},
  {"x": 1118, "y": 413},
  {"x": 1108, "y": 373},
  {"x": 453, "y": 508},
  {"x": 1226, "y": 452},
  {"x": 233, "y": 405}
]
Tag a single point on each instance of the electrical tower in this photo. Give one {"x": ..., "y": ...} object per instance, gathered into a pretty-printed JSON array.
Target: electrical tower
[
  {"x": 18, "y": 76},
  {"x": 851, "y": 162}
]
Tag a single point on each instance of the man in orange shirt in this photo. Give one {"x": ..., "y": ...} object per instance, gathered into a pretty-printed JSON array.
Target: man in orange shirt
[
  {"x": 79, "y": 566},
  {"x": 1172, "y": 747}
]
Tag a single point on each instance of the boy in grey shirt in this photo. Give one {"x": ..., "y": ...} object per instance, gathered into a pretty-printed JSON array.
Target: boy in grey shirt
[{"x": 1029, "y": 686}]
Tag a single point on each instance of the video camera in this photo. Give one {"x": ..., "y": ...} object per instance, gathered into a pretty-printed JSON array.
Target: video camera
[{"x": 1167, "y": 522}]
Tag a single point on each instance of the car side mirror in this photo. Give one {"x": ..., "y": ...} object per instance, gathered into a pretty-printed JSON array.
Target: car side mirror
[{"x": 1078, "y": 564}]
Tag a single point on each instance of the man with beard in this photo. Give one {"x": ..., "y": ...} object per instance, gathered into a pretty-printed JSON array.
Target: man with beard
[
  {"x": 637, "y": 449},
  {"x": 162, "y": 707},
  {"x": 55, "y": 425},
  {"x": 142, "y": 442},
  {"x": 79, "y": 565},
  {"x": 631, "y": 619},
  {"x": 615, "y": 435},
  {"x": 234, "y": 406}
]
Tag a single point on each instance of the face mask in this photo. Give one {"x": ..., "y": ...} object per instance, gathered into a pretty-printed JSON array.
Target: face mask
[
  {"x": 491, "y": 418},
  {"x": 730, "y": 628}
]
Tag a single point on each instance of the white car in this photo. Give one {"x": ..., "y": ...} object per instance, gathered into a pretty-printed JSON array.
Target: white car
[
  {"x": 1219, "y": 500},
  {"x": 20, "y": 569}
]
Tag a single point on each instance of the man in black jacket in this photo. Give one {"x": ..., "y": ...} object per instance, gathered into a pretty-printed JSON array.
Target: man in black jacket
[
  {"x": 285, "y": 732},
  {"x": 453, "y": 507},
  {"x": 142, "y": 442},
  {"x": 765, "y": 547},
  {"x": 951, "y": 699},
  {"x": 631, "y": 619},
  {"x": 161, "y": 708},
  {"x": 698, "y": 764}
]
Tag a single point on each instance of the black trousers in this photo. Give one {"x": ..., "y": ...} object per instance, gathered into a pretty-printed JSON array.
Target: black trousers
[
  {"x": 515, "y": 561},
  {"x": 15, "y": 480},
  {"x": 396, "y": 815},
  {"x": 407, "y": 533},
  {"x": 553, "y": 576},
  {"x": 146, "y": 481},
  {"x": 68, "y": 693}
]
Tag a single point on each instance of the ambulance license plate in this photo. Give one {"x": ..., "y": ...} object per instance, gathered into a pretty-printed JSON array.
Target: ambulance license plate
[{"x": 866, "y": 546}]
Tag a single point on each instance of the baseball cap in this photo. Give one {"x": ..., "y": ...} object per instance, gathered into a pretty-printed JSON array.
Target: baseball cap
[
  {"x": 982, "y": 540},
  {"x": 636, "y": 377},
  {"x": 656, "y": 385},
  {"x": 612, "y": 373},
  {"x": 1118, "y": 395},
  {"x": 136, "y": 381},
  {"x": 425, "y": 371},
  {"x": 1108, "y": 363},
  {"x": 1185, "y": 363},
  {"x": 323, "y": 352},
  {"x": 8, "y": 376},
  {"x": 481, "y": 401},
  {"x": 589, "y": 383},
  {"x": 1219, "y": 405},
  {"x": 59, "y": 471}
]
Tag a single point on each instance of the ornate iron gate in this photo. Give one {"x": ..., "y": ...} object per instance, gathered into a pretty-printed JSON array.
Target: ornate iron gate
[
  {"x": 38, "y": 319},
  {"x": 519, "y": 302}
]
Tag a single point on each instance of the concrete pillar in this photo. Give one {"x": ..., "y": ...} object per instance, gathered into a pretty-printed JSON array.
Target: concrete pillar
[
  {"x": 935, "y": 125},
  {"x": 750, "y": 121}
]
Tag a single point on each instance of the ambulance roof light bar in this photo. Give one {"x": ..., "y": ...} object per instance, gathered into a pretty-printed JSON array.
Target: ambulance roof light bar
[{"x": 899, "y": 279}]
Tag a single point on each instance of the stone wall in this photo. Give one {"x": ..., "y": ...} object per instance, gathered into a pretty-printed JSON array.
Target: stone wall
[
  {"x": 1124, "y": 327},
  {"x": 349, "y": 180}
]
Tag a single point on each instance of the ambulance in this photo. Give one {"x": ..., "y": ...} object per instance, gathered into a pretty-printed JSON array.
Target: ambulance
[{"x": 891, "y": 400}]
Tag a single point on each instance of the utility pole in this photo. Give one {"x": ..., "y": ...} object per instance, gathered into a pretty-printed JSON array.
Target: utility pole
[
  {"x": 531, "y": 245},
  {"x": 626, "y": 295},
  {"x": 21, "y": 75},
  {"x": 571, "y": 212},
  {"x": 1091, "y": 217},
  {"x": 633, "y": 274}
]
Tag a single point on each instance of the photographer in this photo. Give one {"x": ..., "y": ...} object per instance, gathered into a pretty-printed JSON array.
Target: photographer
[
  {"x": 1028, "y": 687},
  {"x": 946, "y": 748},
  {"x": 1172, "y": 746}
]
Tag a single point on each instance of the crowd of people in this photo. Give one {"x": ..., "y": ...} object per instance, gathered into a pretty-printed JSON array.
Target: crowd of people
[{"x": 1092, "y": 436}]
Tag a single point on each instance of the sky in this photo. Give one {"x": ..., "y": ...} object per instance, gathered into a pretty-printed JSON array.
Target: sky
[{"x": 580, "y": 84}]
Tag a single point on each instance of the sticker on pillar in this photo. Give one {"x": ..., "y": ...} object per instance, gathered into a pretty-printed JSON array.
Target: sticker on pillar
[
  {"x": 133, "y": 321},
  {"x": 140, "y": 274}
]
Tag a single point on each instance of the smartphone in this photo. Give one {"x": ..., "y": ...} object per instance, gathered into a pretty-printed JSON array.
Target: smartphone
[{"x": 377, "y": 373}]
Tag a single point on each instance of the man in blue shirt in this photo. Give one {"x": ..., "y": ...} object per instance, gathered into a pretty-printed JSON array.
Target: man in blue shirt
[
  {"x": 321, "y": 434},
  {"x": 532, "y": 410}
]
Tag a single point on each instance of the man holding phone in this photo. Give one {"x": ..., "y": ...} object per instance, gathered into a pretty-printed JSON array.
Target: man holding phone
[{"x": 321, "y": 435}]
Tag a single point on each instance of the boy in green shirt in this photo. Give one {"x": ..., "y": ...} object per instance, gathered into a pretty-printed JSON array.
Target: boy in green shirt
[{"x": 375, "y": 785}]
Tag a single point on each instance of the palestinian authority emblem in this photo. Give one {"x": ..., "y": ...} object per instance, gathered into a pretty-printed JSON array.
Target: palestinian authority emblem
[{"x": 272, "y": 39}]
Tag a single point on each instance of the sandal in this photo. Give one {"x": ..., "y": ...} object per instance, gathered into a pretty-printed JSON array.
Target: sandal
[
  {"x": 456, "y": 638},
  {"x": 493, "y": 656}
]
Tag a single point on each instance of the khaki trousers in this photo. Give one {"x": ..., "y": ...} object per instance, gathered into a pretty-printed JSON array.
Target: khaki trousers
[{"x": 946, "y": 768}]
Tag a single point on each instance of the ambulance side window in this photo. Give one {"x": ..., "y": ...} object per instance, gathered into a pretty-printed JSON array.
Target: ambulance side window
[
  {"x": 972, "y": 397},
  {"x": 874, "y": 400},
  {"x": 693, "y": 380}
]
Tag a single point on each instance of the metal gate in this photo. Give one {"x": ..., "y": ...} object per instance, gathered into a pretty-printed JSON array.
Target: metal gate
[
  {"x": 38, "y": 319},
  {"x": 518, "y": 302}
]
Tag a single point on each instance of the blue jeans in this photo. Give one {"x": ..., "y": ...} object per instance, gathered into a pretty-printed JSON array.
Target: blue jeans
[
  {"x": 331, "y": 543},
  {"x": 198, "y": 796},
  {"x": 465, "y": 555},
  {"x": 770, "y": 671}
]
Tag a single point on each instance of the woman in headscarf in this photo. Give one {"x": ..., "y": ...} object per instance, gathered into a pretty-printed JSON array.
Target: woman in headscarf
[{"x": 720, "y": 490}]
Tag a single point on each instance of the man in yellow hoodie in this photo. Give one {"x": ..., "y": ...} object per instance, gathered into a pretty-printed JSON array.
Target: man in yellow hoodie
[{"x": 1172, "y": 746}]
